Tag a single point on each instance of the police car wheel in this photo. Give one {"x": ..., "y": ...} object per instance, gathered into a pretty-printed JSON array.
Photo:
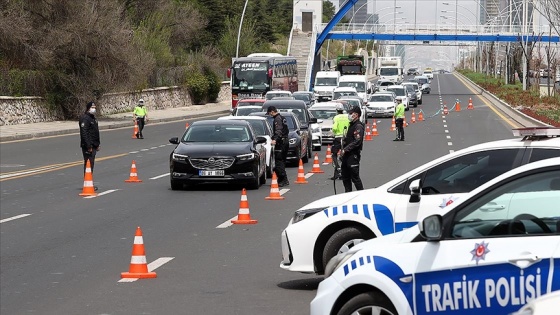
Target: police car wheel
[
  {"x": 368, "y": 303},
  {"x": 341, "y": 242}
]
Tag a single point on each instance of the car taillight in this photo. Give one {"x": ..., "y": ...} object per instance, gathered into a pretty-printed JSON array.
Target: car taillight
[{"x": 229, "y": 72}]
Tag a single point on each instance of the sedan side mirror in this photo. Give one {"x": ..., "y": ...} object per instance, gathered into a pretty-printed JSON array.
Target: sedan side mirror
[
  {"x": 174, "y": 140},
  {"x": 414, "y": 191},
  {"x": 313, "y": 120},
  {"x": 261, "y": 140},
  {"x": 431, "y": 228}
]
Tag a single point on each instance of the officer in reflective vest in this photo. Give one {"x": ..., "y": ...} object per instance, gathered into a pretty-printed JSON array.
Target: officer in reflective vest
[
  {"x": 399, "y": 121},
  {"x": 340, "y": 125},
  {"x": 141, "y": 117}
]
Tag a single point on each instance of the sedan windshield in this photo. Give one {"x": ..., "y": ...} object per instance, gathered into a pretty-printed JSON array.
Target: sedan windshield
[
  {"x": 217, "y": 133},
  {"x": 245, "y": 111},
  {"x": 381, "y": 98},
  {"x": 302, "y": 97},
  {"x": 398, "y": 92},
  {"x": 323, "y": 113}
]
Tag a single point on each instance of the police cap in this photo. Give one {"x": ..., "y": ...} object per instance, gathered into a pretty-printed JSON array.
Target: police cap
[{"x": 357, "y": 110}]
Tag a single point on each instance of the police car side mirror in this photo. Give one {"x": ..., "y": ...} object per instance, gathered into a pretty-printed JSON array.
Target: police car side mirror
[
  {"x": 414, "y": 191},
  {"x": 431, "y": 228},
  {"x": 174, "y": 140}
]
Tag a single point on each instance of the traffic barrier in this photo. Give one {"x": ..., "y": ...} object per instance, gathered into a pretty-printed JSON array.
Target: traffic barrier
[
  {"x": 393, "y": 125},
  {"x": 374, "y": 129},
  {"x": 138, "y": 266},
  {"x": 136, "y": 130},
  {"x": 301, "y": 174},
  {"x": 274, "y": 191},
  {"x": 368, "y": 136},
  {"x": 471, "y": 106},
  {"x": 133, "y": 178},
  {"x": 457, "y": 106},
  {"x": 316, "y": 167},
  {"x": 88, "y": 189},
  {"x": 244, "y": 217},
  {"x": 421, "y": 116},
  {"x": 413, "y": 118},
  {"x": 328, "y": 158}
]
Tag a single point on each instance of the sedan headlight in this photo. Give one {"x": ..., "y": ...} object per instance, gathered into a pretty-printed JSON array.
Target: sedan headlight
[
  {"x": 292, "y": 141},
  {"x": 316, "y": 130},
  {"x": 246, "y": 157},
  {"x": 179, "y": 157},
  {"x": 336, "y": 262},
  {"x": 300, "y": 215}
]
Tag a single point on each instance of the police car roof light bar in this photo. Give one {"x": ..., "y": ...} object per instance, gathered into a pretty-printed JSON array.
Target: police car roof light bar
[{"x": 536, "y": 132}]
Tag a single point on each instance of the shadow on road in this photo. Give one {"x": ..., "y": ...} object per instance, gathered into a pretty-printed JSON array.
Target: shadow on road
[{"x": 301, "y": 284}]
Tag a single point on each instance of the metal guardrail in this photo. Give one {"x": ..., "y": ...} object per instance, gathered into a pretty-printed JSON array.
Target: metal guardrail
[{"x": 289, "y": 50}]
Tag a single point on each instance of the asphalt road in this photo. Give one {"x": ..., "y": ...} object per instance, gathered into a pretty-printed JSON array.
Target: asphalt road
[{"x": 64, "y": 255}]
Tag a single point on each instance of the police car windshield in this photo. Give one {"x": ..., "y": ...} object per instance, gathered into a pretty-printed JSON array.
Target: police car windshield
[{"x": 217, "y": 133}]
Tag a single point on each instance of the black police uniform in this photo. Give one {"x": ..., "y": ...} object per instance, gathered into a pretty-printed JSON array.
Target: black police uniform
[
  {"x": 89, "y": 138},
  {"x": 280, "y": 135},
  {"x": 352, "y": 146}
]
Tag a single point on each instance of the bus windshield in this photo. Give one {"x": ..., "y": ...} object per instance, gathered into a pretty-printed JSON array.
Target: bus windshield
[{"x": 250, "y": 75}]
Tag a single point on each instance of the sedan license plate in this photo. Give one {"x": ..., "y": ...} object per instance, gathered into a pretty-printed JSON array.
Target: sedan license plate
[{"x": 211, "y": 173}]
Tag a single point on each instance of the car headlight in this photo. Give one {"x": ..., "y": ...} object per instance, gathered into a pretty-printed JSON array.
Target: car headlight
[
  {"x": 316, "y": 129},
  {"x": 336, "y": 262},
  {"x": 246, "y": 157},
  {"x": 292, "y": 141},
  {"x": 300, "y": 215},
  {"x": 179, "y": 157}
]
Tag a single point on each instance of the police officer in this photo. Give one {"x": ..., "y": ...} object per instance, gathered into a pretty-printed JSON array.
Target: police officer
[
  {"x": 141, "y": 116},
  {"x": 351, "y": 151},
  {"x": 340, "y": 125},
  {"x": 89, "y": 135},
  {"x": 281, "y": 145},
  {"x": 399, "y": 121}
]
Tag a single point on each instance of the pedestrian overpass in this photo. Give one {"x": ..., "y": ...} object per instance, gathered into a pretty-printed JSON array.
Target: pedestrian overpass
[{"x": 425, "y": 33}]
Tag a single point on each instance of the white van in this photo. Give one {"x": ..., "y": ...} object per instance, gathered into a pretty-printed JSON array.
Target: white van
[
  {"x": 359, "y": 82},
  {"x": 325, "y": 83}
]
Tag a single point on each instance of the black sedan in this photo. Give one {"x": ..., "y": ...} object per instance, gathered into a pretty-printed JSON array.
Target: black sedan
[
  {"x": 299, "y": 138},
  {"x": 218, "y": 151}
]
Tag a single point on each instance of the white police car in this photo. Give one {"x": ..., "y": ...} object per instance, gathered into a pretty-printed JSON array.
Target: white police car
[
  {"x": 491, "y": 252},
  {"x": 328, "y": 226}
]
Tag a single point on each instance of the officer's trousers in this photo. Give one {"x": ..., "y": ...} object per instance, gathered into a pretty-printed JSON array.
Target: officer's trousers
[
  {"x": 337, "y": 145},
  {"x": 141, "y": 121},
  {"x": 351, "y": 171},
  {"x": 89, "y": 156},
  {"x": 399, "y": 122},
  {"x": 280, "y": 156}
]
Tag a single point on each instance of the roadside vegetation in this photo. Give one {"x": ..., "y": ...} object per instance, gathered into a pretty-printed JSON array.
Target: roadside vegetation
[
  {"x": 545, "y": 108},
  {"x": 70, "y": 52}
]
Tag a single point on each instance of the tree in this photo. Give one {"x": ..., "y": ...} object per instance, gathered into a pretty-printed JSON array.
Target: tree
[{"x": 328, "y": 11}]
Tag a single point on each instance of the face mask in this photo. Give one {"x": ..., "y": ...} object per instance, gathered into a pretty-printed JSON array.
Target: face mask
[
  {"x": 92, "y": 110},
  {"x": 350, "y": 117}
]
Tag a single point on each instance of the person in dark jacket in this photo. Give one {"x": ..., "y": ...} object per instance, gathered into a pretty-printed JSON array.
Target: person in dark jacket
[
  {"x": 352, "y": 150},
  {"x": 281, "y": 145},
  {"x": 89, "y": 135}
]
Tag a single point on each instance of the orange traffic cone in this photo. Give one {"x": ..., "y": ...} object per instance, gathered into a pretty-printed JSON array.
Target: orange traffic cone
[
  {"x": 374, "y": 129},
  {"x": 393, "y": 125},
  {"x": 88, "y": 189},
  {"x": 274, "y": 191},
  {"x": 413, "y": 118},
  {"x": 138, "y": 266},
  {"x": 445, "y": 110},
  {"x": 301, "y": 174},
  {"x": 316, "y": 167},
  {"x": 368, "y": 136},
  {"x": 421, "y": 116},
  {"x": 244, "y": 217},
  {"x": 458, "y": 106},
  {"x": 187, "y": 125},
  {"x": 405, "y": 124},
  {"x": 328, "y": 158},
  {"x": 470, "y": 104},
  {"x": 136, "y": 130},
  {"x": 133, "y": 178}
]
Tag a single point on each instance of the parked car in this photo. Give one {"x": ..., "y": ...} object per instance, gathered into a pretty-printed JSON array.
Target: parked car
[
  {"x": 305, "y": 117},
  {"x": 424, "y": 82},
  {"x": 307, "y": 97},
  {"x": 245, "y": 110},
  {"x": 298, "y": 137},
  {"x": 490, "y": 252},
  {"x": 344, "y": 91},
  {"x": 276, "y": 93},
  {"x": 353, "y": 101},
  {"x": 218, "y": 151},
  {"x": 382, "y": 85},
  {"x": 381, "y": 105},
  {"x": 331, "y": 225},
  {"x": 325, "y": 112},
  {"x": 401, "y": 93},
  {"x": 416, "y": 88},
  {"x": 262, "y": 128},
  {"x": 412, "y": 96},
  {"x": 251, "y": 102}
]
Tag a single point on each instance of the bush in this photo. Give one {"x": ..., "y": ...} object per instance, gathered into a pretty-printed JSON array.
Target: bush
[
  {"x": 197, "y": 84},
  {"x": 214, "y": 84}
]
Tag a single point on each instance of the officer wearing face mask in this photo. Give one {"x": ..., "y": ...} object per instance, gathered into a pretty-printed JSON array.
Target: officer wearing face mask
[
  {"x": 351, "y": 151},
  {"x": 89, "y": 135}
]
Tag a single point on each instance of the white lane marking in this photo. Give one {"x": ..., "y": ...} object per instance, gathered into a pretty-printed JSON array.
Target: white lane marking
[
  {"x": 325, "y": 163},
  {"x": 163, "y": 145},
  {"x": 308, "y": 175},
  {"x": 448, "y": 137},
  {"x": 451, "y": 151},
  {"x": 446, "y": 131},
  {"x": 101, "y": 193},
  {"x": 283, "y": 191},
  {"x": 449, "y": 143},
  {"x": 444, "y": 121},
  {"x": 444, "y": 126},
  {"x": 133, "y": 152},
  {"x": 144, "y": 149},
  {"x": 11, "y": 165},
  {"x": 15, "y": 217},
  {"x": 151, "y": 267},
  {"x": 29, "y": 172},
  {"x": 153, "y": 148},
  {"x": 160, "y": 176}
]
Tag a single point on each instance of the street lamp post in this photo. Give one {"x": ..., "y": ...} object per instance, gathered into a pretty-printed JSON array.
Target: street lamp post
[{"x": 240, "y": 26}]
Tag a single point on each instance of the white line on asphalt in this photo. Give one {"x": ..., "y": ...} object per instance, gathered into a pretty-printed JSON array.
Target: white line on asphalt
[
  {"x": 444, "y": 121},
  {"x": 101, "y": 193},
  {"x": 308, "y": 175},
  {"x": 449, "y": 143},
  {"x": 151, "y": 267},
  {"x": 144, "y": 149},
  {"x": 446, "y": 131},
  {"x": 325, "y": 163},
  {"x": 448, "y": 137},
  {"x": 444, "y": 126},
  {"x": 160, "y": 176},
  {"x": 451, "y": 151},
  {"x": 283, "y": 191},
  {"x": 133, "y": 152},
  {"x": 15, "y": 217},
  {"x": 28, "y": 172},
  {"x": 163, "y": 145}
]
